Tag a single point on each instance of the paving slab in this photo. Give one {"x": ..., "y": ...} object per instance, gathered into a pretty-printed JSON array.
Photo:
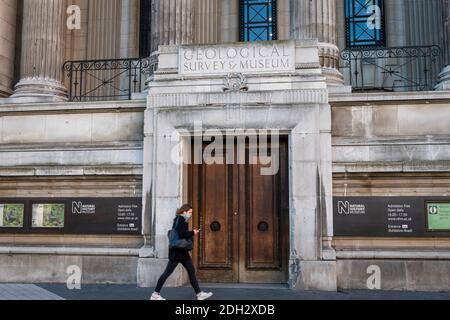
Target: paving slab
[{"x": 26, "y": 292}]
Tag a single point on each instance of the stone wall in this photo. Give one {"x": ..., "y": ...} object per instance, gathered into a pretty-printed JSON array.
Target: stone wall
[
  {"x": 52, "y": 268},
  {"x": 392, "y": 145},
  {"x": 391, "y": 129},
  {"x": 71, "y": 150}
]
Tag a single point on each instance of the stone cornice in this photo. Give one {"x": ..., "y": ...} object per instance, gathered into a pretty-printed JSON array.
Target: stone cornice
[
  {"x": 414, "y": 253},
  {"x": 80, "y": 146},
  {"x": 68, "y": 251},
  {"x": 65, "y": 171},
  {"x": 391, "y": 167},
  {"x": 338, "y": 99},
  {"x": 71, "y": 107},
  {"x": 285, "y": 97}
]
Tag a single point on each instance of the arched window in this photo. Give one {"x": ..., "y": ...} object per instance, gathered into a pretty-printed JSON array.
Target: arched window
[
  {"x": 364, "y": 23},
  {"x": 258, "y": 20}
]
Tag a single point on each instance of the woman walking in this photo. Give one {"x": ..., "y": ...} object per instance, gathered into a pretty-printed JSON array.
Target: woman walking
[{"x": 176, "y": 256}]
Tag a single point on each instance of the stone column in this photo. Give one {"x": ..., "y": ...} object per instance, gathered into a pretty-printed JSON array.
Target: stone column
[
  {"x": 172, "y": 22},
  {"x": 317, "y": 20},
  {"x": 208, "y": 22},
  {"x": 8, "y": 15},
  {"x": 444, "y": 76},
  {"x": 41, "y": 70},
  {"x": 425, "y": 26},
  {"x": 104, "y": 29},
  {"x": 229, "y": 20}
]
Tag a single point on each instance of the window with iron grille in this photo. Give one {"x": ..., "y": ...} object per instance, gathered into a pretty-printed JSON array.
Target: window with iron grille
[
  {"x": 365, "y": 23},
  {"x": 258, "y": 20}
]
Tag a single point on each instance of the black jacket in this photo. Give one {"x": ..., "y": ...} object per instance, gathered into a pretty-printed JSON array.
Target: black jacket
[{"x": 182, "y": 228}]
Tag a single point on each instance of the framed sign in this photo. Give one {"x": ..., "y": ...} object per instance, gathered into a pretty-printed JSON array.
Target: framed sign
[
  {"x": 391, "y": 216},
  {"x": 93, "y": 216},
  {"x": 438, "y": 216},
  {"x": 12, "y": 215},
  {"x": 48, "y": 215}
]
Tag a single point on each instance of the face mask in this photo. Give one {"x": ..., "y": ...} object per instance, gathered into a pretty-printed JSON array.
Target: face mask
[{"x": 186, "y": 217}]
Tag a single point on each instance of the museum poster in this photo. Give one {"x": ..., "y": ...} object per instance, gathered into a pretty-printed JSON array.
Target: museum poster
[
  {"x": 106, "y": 216},
  {"x": 392, "y": 216}
]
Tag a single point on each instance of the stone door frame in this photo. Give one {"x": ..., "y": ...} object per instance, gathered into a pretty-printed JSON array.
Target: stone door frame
[{"x": 305, "y": 114}]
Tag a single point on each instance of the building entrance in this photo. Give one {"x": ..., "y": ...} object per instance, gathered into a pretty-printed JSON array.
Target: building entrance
[{"x": 243, "y": 212}]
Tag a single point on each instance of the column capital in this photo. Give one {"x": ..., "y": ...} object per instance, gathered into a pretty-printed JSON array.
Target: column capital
[{"x": 317, "y": 20}]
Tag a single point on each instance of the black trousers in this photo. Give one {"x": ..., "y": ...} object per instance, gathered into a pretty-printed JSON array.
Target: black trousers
[{"x": 187, "y": 264}]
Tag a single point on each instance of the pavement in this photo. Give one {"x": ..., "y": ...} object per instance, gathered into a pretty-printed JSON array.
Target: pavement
[{"x": 221, "y": 292}]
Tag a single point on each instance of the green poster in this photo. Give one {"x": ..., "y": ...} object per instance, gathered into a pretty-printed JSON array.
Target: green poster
[
  {"x": 48, "y": 215},
  {"x": 11, "y": 215},
  {"x": 438, "y": 216}
]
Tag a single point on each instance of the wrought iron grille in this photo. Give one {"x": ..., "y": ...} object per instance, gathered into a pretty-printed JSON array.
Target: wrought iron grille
[
  {"x": 103, "y": 80},
  {"x": 364, "y": 23},
  {"x": 392, "y": 69},
  {"x": 258, "y": 20}
]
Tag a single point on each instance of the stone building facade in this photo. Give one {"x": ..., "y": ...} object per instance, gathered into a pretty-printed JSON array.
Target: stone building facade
[{"x": 353, "y": 96}]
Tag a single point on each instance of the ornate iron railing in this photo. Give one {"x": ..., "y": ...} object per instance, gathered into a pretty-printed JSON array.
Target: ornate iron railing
[
  {"x": 105, "y": 80},
  {"x": 392, "y": 69}
]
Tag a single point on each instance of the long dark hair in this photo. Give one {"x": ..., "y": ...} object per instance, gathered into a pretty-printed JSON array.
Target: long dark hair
[{"x": 184, "y": 208}]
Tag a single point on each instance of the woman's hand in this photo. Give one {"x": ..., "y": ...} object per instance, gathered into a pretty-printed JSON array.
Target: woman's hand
[{"x": 196, "y": 231}]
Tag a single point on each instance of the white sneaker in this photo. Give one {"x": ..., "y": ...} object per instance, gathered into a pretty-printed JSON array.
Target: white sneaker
[
  {"x": 204, "y": 295},
  {"x": 156, "y": 296}
]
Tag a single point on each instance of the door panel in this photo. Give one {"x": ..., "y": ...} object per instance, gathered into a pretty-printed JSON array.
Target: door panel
[
  {"x": 215, "y": 218},
  {"x": 262, "y": 221},
  {"x": 265, "y": 226},
  {"x": 214, "y": 250}
]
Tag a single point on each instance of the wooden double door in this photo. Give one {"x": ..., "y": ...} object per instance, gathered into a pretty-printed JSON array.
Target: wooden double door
[{"x": 244, "y": 218}]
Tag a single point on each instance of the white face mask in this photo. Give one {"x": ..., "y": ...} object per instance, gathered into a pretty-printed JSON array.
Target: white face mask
[{"x": 186, "y": 217}]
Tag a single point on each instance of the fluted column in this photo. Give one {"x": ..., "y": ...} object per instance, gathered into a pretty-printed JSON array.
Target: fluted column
[
  {"x": 444, "y": 76},
  {"x": 8, "y": 15},
  {"x": 447, "y": 25},
  {"x": 172, "y": 22},
  {"x": 317, "y": 20},
  {"x": 104, "y": 29},
  {"x": 207, "y": 18},
  {"x": 43, "y": 47}
]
